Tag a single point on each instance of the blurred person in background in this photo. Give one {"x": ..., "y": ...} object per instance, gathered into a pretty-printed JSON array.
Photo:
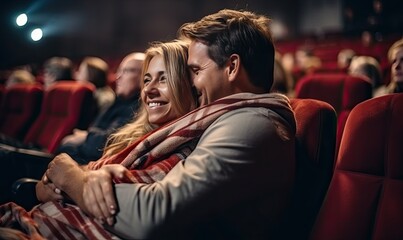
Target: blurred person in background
[
  {"x": 369, "y": 68},
  {"x": 395, "y": 57},
  {"x": 344, "y": 58},
  {"x": 282, "y": 78},
  {"x": 86, "y": 145},
  {"x": 20, "y": 76},
  {"x": 57, "y": 69},
  {"x": 96, "y": 71}
]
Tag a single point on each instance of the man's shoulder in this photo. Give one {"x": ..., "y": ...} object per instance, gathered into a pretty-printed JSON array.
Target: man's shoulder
[
  {"x": 254, "y": 114},
  {"x": 246, "y": 122}
]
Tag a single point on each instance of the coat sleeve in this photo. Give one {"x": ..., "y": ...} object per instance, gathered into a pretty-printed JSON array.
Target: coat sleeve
[{"x": 229, "y": 165}]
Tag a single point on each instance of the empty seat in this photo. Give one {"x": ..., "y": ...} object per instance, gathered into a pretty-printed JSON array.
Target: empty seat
[
  {"x": 342, "y": 91},
  {"x": 365, "y": 196},
  {"x": 63, "y": 107},
  {"x": 21, "y": 105},
  {"x": 315, "y": 139}
]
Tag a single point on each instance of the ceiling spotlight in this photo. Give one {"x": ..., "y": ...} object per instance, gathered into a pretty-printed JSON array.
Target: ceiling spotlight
[
  {"x": 36, "y": 34},
  {"x": 22, "y": 19}
]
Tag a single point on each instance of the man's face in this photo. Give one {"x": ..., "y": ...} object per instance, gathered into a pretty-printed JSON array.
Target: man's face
[
  {"x": 128, "y": 78},
  {"x": 210, "y": 81}
]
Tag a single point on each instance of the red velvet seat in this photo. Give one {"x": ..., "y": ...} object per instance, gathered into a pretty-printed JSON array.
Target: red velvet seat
[
  {"x": 315, "y": 139},
  {"x": 63, "y": 106},
  {"x": 342, "y": 91},
  {"x": 365, "y": 196},
  {"x": 21, "y": 106}
]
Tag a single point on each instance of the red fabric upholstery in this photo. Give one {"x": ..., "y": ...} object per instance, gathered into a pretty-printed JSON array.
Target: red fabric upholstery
[
  {"x": 315, "y": 138},
  {"x": 365, "y": 196},
  {"x": 60, "y": 114},
  {"x": 342, "y": 91},
  {"x": 21, "y": 105}
]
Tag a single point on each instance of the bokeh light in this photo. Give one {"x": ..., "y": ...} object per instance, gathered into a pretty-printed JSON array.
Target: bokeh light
[
  {"x": 22, "y": 19},
  {"x": 36, "y": 34}
]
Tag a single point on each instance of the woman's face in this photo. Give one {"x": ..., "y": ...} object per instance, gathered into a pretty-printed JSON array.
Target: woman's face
[
  {"x": 397, "y": 65},
  {"x": 156, "y": 94}
]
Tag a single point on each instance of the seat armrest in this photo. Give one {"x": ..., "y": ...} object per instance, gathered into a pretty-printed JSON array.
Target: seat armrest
[{"x": 24, "y": 193}]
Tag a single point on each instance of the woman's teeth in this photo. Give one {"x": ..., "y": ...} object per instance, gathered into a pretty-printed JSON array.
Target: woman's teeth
[{"x": 154, "y": 104}]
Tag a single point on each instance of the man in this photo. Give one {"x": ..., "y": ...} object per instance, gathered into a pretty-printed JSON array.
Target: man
[
  {"x": 237, "y": 181},
  {"x": 86, "y": 145}
]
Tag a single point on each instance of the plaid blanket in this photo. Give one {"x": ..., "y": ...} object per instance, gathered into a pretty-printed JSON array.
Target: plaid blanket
[{"x": 148, "y": 159}]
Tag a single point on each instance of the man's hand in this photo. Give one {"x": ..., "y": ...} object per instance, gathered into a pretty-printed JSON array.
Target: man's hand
[
  {"x": 47, "y": 191},
  {"x": 62, "y": 171},
  {"x": 99, "y": 200}
]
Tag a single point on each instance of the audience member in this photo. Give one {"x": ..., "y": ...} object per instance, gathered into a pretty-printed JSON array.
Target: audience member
[
  {"x": 86, "y": 145},
  {"x": 344, "y": 58},
  {"x": 369, "y": 68},
  {"x": 242, "y": 136},
  {"x": 20, "y": 76},
  {"x": 95, "y": 70},
  {"x": 306, "y": 60},
  {"x": 282, "y": 79},
  {"x": 395, "y": 57},
  {"x": 56, "y": 69}
]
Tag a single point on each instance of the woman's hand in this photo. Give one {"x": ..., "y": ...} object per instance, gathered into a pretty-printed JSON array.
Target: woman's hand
[{"x": 98, "y": 193}]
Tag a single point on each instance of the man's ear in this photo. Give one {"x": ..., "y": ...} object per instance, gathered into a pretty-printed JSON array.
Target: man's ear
[{"x": 234, "y": 66}]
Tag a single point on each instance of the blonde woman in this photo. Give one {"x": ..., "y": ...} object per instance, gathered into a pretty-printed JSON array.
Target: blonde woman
[
  {"x": 166, "y": 95},
  {"x": 395, "y": 57},
  {"x": 174, "y": 89}
]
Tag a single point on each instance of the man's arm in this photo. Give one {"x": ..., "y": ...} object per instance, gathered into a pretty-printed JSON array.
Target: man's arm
[
  {"x": 229, "y": 166},
  {"x": 91, "y": 190},
  {"x": 64, "y": 174}
]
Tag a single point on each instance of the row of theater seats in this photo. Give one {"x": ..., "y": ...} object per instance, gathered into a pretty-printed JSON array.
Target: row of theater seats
[
  {"x": 360, "y": 197},
  {"x": 327, "y": 49},
  {"x": 42, "y": 117},
  {"x": 341, "y": 90},
  {"x": 349, "y": 176}
]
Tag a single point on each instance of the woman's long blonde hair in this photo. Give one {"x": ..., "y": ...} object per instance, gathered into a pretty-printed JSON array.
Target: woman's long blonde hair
[
  {"x": 175, "y": 55},
  {"x": 396, "y": 45}
]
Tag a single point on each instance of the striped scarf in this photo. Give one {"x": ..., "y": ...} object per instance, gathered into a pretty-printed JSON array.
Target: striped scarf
[
  {"x": 153, "y": 156},
  {"x": 148, "y": 159}
]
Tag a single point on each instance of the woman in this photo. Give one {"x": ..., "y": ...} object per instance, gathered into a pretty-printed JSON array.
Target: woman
[
  {"x": 395, "y": 56},
  {"x": 166, "y": 95},
  {"x": 173, "y": 88}
]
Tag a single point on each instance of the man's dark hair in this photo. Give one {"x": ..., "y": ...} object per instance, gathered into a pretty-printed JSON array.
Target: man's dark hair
[{"x": 237, "y": 32}]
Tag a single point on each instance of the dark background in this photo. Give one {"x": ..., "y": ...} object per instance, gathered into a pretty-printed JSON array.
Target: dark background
[{"x": 113, "y": 28}]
